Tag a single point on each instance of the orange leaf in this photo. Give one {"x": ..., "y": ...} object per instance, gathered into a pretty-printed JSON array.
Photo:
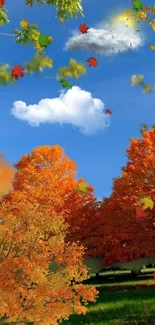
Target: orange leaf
[{"x": 92, "y": 62}]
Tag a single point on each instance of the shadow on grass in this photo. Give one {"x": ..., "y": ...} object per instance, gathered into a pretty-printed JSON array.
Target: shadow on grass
[
  {"x": 119, "y": 308},
  {"x": 103, "y": 279}
]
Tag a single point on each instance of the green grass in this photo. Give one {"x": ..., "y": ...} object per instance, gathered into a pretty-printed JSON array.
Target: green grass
[
  {"x": 120, "y": 305},
  {"x": 134, "y": 306}
]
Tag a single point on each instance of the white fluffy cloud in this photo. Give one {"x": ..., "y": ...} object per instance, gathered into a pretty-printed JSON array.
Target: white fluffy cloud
[
  {"x": 107, "y": 39},
  {"x": 76, "y": 107}
]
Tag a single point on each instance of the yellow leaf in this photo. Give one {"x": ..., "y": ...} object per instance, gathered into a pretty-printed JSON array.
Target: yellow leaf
[
  {"x": 50, "y": 38},
  {"x": 153, "y": 26},
  {"x": 147, "y": 203},
  {"x": 152, "y": 47},
  {"x": 24, "y": 24}
]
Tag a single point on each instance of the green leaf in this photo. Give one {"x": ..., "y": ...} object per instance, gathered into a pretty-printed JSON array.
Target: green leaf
[
  {"x": 44, "y": 40},
  {"x": 65, "y": 83},
  {"x": 137, "y": 5}
]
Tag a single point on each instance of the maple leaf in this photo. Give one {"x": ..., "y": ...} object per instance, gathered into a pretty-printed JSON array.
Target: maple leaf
[
  {"x": 83, "y": 28},
  {"x": 92, "y": 62},
  {"x": 146, "y": 202},
  {"x": 140, "y": 213},
  {"x": 65, "y": 83},
  {"x": 108, "y": 111},
  {"x": 2, "y": 3},
  {"x": 17, "y": 71},
  {"x": 137, "y": 5},
  {"x": 24, "y": 24},
  {"x": 44, "y": 40}
]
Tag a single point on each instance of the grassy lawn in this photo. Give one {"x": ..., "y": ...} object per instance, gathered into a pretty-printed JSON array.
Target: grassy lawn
[{"x": 120, "y": 305}]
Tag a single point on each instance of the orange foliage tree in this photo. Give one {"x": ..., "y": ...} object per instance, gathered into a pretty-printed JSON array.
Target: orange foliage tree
[
  {"x": 29, "y": 290},
  {"x": 127, "y": 236},
  {"x": 48, "y": 177}
]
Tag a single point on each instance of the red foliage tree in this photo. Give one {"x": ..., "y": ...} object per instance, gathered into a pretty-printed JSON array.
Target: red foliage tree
[{"x": 127, "y": 237}]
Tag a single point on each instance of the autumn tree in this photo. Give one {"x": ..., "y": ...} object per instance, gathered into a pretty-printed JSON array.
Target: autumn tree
[
  {"x": 127, "y": 234},
  {"x": 29, "y": 290},
  {"x": 48, "y": 177}
]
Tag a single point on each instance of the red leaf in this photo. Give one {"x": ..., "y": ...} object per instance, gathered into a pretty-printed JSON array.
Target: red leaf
[
  {"x": 83, "y": 28},
  {"x": 15, "y": 211},
  {"x": 92, "y": 62},
  {"x": 15, "y": 185},
  {"x": 2, "y": 3},
  {"x": 17, "y": 71},
  {"x": 140, "y": 213},
  {"x": 108, "y": 111}
]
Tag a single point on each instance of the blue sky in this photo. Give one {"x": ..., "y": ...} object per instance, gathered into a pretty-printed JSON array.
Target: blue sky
[{"x": 99, "y": 156}]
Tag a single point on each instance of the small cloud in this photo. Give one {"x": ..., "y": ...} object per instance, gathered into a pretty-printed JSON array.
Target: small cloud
[
  {"x": 76, "y": 107},
  {"x": 107, "y": 39}
]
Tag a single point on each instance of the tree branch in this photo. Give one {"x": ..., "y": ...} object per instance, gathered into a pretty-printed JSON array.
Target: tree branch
[{"x": 6, "y": 34}]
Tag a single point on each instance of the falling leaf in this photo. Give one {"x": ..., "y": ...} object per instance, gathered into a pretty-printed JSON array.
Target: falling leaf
[
  {"x": 83, "y": 28},
  {"x": 65, "y": 83},
  {"x": 2, "y": 3},
  {"x": 92, "y": 62},
  {"x": 17, "y": 71},
  {"x": 24, "y": 23},
  {"x": 137, "y": 5},
  {"x": 152, "y": 47},
  {"x": 140, "y": 213},
  {"x": 108, "y": 111},
  {"x": 44, "y": 40},
  {"x": 74, "y": 70},
  {"x": 147, "y": 203},
  {"x": 153, "y": 26}
]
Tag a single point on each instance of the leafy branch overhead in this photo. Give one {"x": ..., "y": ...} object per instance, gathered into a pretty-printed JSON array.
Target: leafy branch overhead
[
  {"x": 29, "y": 34},
  {"x": 63, "y": 8}
]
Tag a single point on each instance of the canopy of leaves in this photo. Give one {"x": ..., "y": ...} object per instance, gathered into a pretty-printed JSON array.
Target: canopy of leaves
[
  {"x": 63, "y": 7},
  {"x": 48, "y": 177},
  {"x": 33, "y": 233},
  {"x": 125, "y": 236}
]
